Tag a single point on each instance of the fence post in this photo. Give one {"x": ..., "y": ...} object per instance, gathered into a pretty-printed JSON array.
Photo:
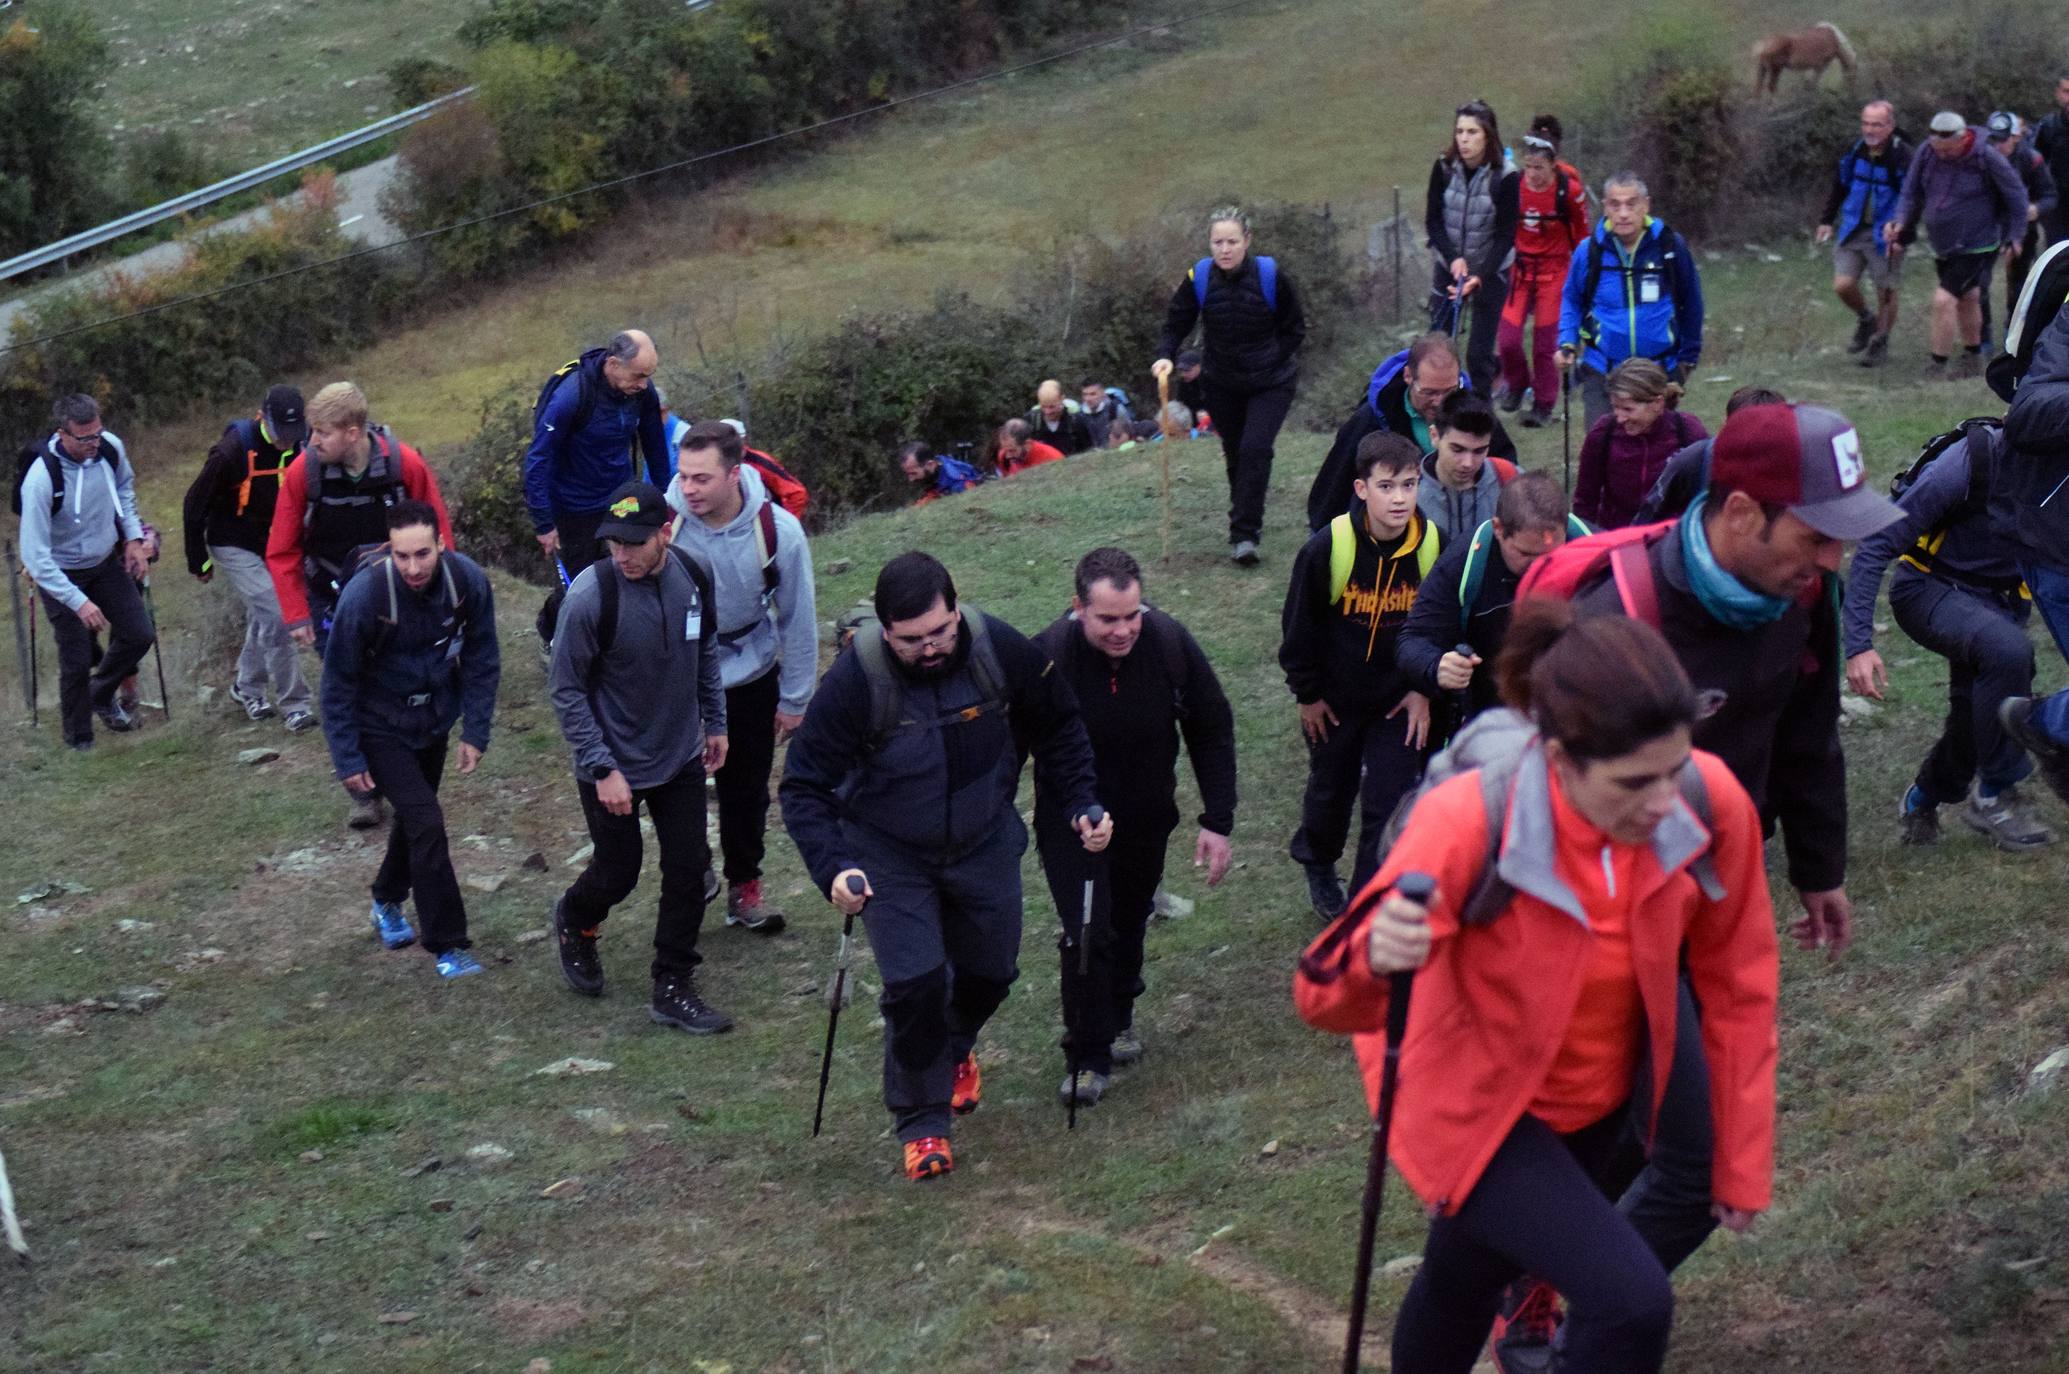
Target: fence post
[{"x": 1397, "y": 252}]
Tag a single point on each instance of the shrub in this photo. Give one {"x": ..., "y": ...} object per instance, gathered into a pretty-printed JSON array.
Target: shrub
[
  {"x": 159, "y": 166},
  {"x": 484, "y": 486},
  {"x": 415, "y": 80},
  {"x": 53, "y": 155}
]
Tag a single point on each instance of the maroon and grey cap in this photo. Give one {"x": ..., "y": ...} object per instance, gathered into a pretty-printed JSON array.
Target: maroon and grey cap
[{"x": 1806, "y": 458}]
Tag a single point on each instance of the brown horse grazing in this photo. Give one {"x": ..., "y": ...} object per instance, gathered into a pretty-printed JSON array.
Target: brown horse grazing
[{"x": 1812, "y": 50}]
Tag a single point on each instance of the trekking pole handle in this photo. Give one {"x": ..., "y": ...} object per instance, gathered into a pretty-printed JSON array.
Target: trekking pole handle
[
  {"x": 1418, "y": 888},
  {"x": 855, "y": 883},
  {"x": 1094, "y": 814},
  {"x": 1463, "y": 650}
]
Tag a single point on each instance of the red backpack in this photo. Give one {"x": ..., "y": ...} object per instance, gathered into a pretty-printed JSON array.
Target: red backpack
[
  {"x": 1579, "y": 563},
  {"x": 784, "y": 487}
]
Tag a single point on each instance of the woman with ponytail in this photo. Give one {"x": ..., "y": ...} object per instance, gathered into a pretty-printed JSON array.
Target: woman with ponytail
[{"x": 1542, "y": 1028}]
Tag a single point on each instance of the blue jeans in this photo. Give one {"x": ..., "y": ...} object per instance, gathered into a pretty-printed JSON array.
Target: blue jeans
[{"x": 2050, "y": 588}]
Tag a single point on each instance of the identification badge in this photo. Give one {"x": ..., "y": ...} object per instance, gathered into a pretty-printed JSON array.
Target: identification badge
[
  {"x": 1649, "y": 290},
  {"x": 689, "y": 627}
]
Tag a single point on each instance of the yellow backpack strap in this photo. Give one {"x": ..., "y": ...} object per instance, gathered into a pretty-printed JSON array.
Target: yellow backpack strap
[
  {"x": 1343, "y": 551},
  {"x": 1425, "y": 551}
]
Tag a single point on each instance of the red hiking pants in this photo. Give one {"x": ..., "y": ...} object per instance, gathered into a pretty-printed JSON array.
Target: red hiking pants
[{"x": 1535, "y": 286}]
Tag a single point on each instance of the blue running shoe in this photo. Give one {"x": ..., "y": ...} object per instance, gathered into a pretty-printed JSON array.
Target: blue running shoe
[
  {"x": 392, "y": 926},
  {"x": 457, "y": 963}
]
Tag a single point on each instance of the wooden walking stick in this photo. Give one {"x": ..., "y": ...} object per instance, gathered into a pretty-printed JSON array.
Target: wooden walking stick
[{"x": 1164, "y": 459}]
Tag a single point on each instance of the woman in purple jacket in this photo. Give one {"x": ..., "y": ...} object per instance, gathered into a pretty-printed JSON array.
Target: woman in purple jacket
[{"x": 1628, "y": 448}]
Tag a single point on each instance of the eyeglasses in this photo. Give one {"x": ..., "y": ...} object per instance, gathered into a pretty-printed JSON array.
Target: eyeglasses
[
  {"x": 940, "y": 639},
  {"x": 87, "y": 439}
]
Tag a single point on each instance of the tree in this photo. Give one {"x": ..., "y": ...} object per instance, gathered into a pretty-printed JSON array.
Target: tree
[{"x": 53, "y": 155}]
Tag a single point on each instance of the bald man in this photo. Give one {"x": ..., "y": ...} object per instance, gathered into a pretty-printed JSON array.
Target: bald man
[
  {"x": 596, "y": 411},
  {"x": 1055, "y": 423}
]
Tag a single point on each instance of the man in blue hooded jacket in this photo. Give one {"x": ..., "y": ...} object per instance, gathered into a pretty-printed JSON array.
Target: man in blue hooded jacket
[
  {"x": 1863, "y": 197},
  {"x": 1631, "y": 292},
  {"x": 599, "y": 412}
]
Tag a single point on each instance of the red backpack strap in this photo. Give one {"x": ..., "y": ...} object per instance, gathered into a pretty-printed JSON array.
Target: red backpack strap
[
  {"x": 765, "y": 546},
  {"x": 1631, "y": 565}
]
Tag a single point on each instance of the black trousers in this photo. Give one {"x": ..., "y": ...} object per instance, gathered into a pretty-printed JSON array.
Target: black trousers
[
  {"x": 1989, "y": 658},
  {"x": 1482, "y": 324},
  {"x": 1366, "y": 763},
  {"x": 579, "y": 546},
  {"x": 1099, "y": 1003},
  {"x": 743, "y": 779},
  {"x": 418, "y": 862},
  {"x": 1539, "y": 1209},
  {"x": 82, "y": 683},
  {"x": 677, "y": 810},
  {"x": 1248, "y": 423}
]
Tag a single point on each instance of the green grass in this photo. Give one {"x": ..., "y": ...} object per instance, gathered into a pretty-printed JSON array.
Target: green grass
[{"x": 711, "y": 1233}]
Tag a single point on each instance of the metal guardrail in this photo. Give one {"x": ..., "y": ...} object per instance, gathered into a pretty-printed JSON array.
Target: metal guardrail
[{"x": 243, "y": 181}]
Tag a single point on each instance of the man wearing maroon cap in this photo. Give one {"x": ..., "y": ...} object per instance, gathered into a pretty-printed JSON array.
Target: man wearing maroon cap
[{"x": 1745, "y": 585}]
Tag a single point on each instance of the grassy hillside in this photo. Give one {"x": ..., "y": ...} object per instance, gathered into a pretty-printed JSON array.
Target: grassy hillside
[{"x": 225, "y": 1179}]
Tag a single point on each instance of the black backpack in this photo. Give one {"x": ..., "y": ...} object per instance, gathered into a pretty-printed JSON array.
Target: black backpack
[
  {"x": 585, "y": 398},
  {"x": 1938, "y": 445},
  {"x": 607, "y": 607},
  {"x": 864, "y": 636},
  {"x": 25, "y": 461}
]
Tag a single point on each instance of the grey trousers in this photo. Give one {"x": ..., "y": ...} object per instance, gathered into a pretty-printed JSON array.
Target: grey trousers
[{"x": 269, "y": 656}]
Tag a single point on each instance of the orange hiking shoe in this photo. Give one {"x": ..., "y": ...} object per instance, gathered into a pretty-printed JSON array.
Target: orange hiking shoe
[
  {"x": 1521, "y": 1342},
  {"x": 928, "y": 1157},
  {"x": 969, "y": 1086}
]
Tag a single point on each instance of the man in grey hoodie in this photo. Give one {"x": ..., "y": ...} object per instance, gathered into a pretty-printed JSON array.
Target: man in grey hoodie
[
  {"x": 636, "y": 686},
  {"x": 1974, "y": 207},
  {"x": 83, "y": 545},
  {"x": 1460, "y": 482},
  {"x": 768, "y": 651}
]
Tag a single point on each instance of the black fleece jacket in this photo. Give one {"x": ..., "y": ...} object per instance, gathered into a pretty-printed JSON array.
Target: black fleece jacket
[
  {"x": 1136, "y": 716},
  {"x": 1342, "y": 652},
  {"x": 209, "y": 515}
]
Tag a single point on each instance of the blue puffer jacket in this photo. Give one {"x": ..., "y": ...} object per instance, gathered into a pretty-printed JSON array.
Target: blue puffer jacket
[{"x": 1648, "y": 304}]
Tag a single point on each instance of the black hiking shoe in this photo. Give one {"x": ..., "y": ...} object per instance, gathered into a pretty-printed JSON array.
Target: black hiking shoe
[
  {"x": 1243, "y": 553},
  {"x": 1509, "y": 401},
  {"x": 1918, "y": 819},
  {"x": 677, "y": 1004},
  {"x": 115, "y": 717},
  {"x": 2015, "y": 714},
  {"x": 1521, "y": 1342},
  {"x": 1877, "y": 352},
  {"x": 1863, "y": 332},
  {"x": 1325, "y": 891},
  {"x": 2005, "y": 819},
  {"x": 579, "y": 963},
  {"x": 1538, "y": 418},
  {"x": 366, "y": 813}
]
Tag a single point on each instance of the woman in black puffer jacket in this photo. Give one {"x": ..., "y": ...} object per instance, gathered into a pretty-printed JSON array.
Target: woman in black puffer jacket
[{"x": 1251, "y": 327}]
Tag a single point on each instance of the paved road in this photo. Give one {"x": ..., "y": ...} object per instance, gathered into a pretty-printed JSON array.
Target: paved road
[{"x": 359, "y": 215}]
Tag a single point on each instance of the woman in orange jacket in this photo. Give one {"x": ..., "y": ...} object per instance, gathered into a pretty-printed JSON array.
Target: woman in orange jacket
[{"x": 1527, "y": 1044}]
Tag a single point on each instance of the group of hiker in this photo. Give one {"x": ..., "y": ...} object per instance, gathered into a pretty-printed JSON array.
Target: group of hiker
[{"x": 1563, "y": 714}]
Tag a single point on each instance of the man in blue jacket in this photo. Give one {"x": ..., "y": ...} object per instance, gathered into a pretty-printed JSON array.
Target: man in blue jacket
[
  {"x": 1631, "y": 292},
  {"x": 1863, "y": 197},
  {"x": 413, "y": 652},
  {"x": 600, "y": 409}
]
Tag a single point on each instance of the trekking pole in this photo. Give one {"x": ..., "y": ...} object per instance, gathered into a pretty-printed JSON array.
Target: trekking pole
[
  {"x": 1164, "y": 461},
  {"x": 1095, "y": 815},
  {"x": 8, "y": 1220},
  {"x": 833, "y": 1004},
  {"x": 1566, "y": 422},
  {"x": 1419, "y": 888},
  {"x": 21, "y": 633},
  {"x": 34, "y": 675},
  {"x": 157, "y": 652}
]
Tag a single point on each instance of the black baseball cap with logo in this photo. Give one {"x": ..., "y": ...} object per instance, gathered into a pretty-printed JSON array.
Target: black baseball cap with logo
[
  {"x": 285, "y": 421},
  {"x": 635, "y": 514}
]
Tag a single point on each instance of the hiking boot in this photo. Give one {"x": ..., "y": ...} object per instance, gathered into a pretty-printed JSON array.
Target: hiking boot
[
  {"x": 367, "y": 813},
  {"x": 1877, "y": 352},
  {"x": 744, "y": 908},
  {"x": 1863, "y": 333},
  {"x": 677, "y": 1004},
  {"x": 1325, "y": 891},
  {"x": 579, "y": 964},
  {"x": 115, "y": 717},
  {"x": 2015, "y": 714},
  {"x": 1243, "y": 553},
  {"x": 1918, "y": 819},
  {"x": 1127, "y": 1047},
  {"x": 81, "y": 746},
  {"x": 2005, "y": 819},
  {"x": 1092, "y": 1086},
  {"x": 1509, "y": 401},
  {"x": 256, "y": 707},
  {"x": 457, "y": 963},
  {"x": 298, "y": 721},
  {"x": 969, "y": 1086},
  {"x": 1538, "y": 418},
  {"x": 710, "y": 885},
  {"x": 1966, "y": 366},
  {"x": 1521, "y": 1342},
  {"x": 391, "y": 925},
  {"x": 928, "y": 1157}
]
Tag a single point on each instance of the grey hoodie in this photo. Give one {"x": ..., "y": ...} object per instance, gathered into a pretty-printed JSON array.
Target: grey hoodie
[
  {"x": 1456, "y": 514},
  {"x": 83, "y": 533},
  {"x": 656, "y": 695},
  {"x": 754, "y": 636}
]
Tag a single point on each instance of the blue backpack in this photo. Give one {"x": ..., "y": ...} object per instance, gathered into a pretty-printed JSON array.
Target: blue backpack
[
  {"x": 1390, "y": 369},
  {"x": 1267, "y": 277}
]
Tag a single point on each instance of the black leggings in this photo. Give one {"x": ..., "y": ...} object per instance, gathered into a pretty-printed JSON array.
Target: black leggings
[{"x": 1539, "y": 1209}]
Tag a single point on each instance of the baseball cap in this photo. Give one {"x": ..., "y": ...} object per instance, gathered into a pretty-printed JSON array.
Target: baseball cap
[
  {"x": 1805, "y": 458},
  {"x": 2002, "y": 124},
  {"x": 636, "y": 512},
  {"x": 738, "y": 428},
  {"x": 1948, "y": 122},
  {"x": 284, "y": 417}
]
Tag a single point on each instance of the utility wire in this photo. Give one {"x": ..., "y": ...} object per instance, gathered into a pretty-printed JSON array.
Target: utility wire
[{"x": 965, "y": 83}]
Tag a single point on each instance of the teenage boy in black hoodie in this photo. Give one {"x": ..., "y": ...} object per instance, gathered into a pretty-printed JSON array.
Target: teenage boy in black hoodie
[
  {"x": 1142, "y": 685},
  {"x": 1353, "y": 582}
]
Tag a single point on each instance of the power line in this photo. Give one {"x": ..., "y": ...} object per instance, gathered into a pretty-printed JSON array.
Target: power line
[{"x": 749, "y": 145}]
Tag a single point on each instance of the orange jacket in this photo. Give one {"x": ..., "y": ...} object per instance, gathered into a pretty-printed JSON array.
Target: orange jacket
[
  {"x": 1038, "y": 453},
  {"x": 284, "y": 541},
  {"x": 1492, "y": 1004}
]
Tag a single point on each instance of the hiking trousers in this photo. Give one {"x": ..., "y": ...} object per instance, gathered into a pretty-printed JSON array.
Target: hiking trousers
[
  {"x": 1539, "y": 1208},
  {"x": 84, "y": 686},
  {"x": 269, "y": 656},
  {"x": 743, "y": 779},
  {"x": 1989, "y": 658},
  {"x": 676, "y": 808},
  {"x": 1534, "y": 291},
  {"x": 419, "y": 862},
  {"x": 1248, "y": 423},
  {"x": 1100, "y": 1003},
  {"x": 945, "y": 933},
  {"x": 1364, "y": 763}
]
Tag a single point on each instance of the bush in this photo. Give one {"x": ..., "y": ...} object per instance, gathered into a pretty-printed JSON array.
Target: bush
[
  {"x": 416, "y": 80},
  {"x": 484, "y": 486},
  {"x": 53, "y": 155},
  {"x": 159, "y": 166}
]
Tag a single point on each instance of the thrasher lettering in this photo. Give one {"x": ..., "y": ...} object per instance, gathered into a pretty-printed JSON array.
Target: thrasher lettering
[{"x": 1366, "y": 602}]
